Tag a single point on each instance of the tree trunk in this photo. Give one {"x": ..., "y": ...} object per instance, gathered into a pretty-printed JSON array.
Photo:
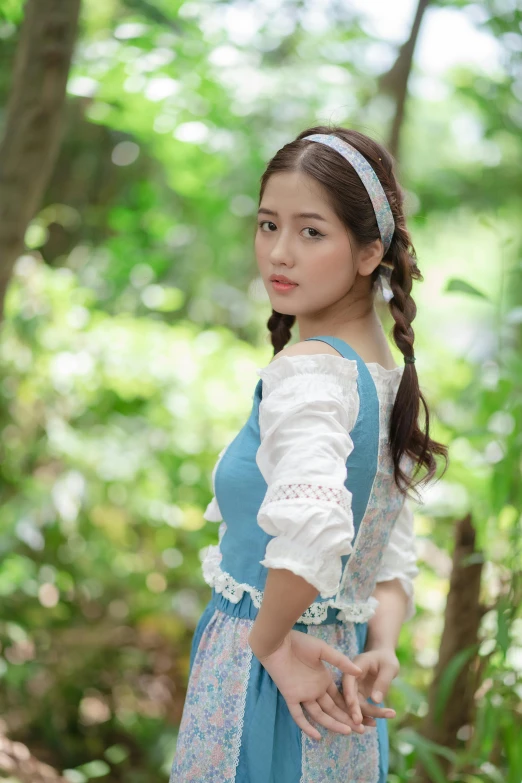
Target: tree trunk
[
  {"x": 395, "y": 81},
  {"x": 461, "y": 624},
  {"x": 33, "y": 126}
]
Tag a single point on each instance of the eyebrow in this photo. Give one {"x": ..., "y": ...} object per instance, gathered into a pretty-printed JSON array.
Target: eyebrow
[{"x": 264, "y": 211}]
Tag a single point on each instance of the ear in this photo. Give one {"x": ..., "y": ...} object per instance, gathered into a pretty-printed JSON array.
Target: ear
[{"x": 369, "y": 257}]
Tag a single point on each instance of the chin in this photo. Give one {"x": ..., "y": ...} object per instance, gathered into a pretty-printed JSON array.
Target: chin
[{"x": 282, "y": 310}]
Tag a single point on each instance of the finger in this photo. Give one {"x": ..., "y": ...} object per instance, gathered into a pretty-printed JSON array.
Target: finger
[
  {"x": 339, "y": 701},
  {"x": 351, "y": 698},
  {"x": 329, "y": 706},
  {"x": 382, "y": 682},
  {"x": 338, "y": 659},
  {"x": 337, "y": 697},
  {"x": 296, "y": 711},
  {"x": 325, "y": 720},
  {"x": 374, "y": 711}
]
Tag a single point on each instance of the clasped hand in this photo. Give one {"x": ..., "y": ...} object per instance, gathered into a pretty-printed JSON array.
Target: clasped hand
[{"x": 299, "y": 673}]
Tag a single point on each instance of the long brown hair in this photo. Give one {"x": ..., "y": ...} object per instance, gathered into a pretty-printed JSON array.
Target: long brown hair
[{"x": 352, "y": 205}]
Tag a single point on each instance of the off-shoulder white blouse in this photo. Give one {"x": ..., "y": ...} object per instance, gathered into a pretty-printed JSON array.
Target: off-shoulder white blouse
[{"x": 309, "y": 406}]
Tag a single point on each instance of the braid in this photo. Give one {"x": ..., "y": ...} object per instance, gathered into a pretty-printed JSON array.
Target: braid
[
  {"x": 402, "y": 305},
  {"x": 280, "y": 326},
  {"x": 405, "y": 435}
]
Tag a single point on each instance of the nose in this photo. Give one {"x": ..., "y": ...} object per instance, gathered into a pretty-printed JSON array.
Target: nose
[{"x": 281, "y": 252}]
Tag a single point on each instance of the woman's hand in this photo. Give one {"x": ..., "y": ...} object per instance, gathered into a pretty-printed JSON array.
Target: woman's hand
[
  {"x": 298, "y": 671},
  {"x": 379, "y": 666}
]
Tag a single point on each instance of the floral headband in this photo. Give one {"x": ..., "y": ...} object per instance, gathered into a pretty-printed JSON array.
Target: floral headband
[{"x": 369, "y": 179}]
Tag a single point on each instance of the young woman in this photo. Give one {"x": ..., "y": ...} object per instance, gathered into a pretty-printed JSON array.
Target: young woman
[{"x": 313, "y": 574}]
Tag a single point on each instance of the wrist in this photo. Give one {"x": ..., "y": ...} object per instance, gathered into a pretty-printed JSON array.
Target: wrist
[
  {"x": 261, "y": 651},
  {"x": 380, "y": 645}
]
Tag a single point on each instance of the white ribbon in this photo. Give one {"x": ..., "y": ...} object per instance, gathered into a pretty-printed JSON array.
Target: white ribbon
[{"x": 384, "y": 282}]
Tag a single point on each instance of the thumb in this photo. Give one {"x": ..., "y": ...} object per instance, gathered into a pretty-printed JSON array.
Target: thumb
[
  {"x": 338, "y": 659},
  {"x": 382, "y": 683}
]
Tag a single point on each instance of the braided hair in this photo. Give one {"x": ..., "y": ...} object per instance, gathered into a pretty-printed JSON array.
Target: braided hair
[{"x": 352, "y": 205}]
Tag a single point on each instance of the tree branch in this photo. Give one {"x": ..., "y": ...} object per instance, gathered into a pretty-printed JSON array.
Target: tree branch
[
  {"x": 33, "y": 126},
  {"x": 395, "y": 81}
]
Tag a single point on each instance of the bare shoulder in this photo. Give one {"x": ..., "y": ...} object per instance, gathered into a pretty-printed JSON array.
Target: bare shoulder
[{"x": 307, "y": 348}]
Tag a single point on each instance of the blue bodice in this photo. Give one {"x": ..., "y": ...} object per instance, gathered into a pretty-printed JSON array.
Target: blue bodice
[{"x": 240, "y": 486}]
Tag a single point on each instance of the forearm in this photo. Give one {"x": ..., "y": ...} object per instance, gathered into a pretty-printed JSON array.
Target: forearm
[
  {"x": 385, "y": 625},
  {"x": 286, "y": 596}
]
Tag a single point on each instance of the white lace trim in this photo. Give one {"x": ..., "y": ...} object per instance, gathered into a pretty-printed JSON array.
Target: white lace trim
[
  {"x": 383, "y": 372},
  {"x": 293, "y": 491},
  {"x": 212, "y": 512},
  {"x": 232, "y": 590},
  {"x": 241, "y": 723},
  {"x": 323, "y": 570}
]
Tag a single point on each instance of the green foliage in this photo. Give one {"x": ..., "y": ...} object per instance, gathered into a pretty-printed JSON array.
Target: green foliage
[
  {"x": 11, "y": 11},
  {"x": 466, "y": 288},
  {"x": 448, "y": 678},
  {"x": 111, "y": 427},
  {"x": 128, "y": 354}
]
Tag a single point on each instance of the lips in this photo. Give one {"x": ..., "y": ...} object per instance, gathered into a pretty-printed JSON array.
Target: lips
[{"x": 281, "y": 279}]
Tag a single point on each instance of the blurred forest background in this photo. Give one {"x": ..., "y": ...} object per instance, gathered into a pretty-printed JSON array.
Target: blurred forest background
[{"x": 133, "y": 134}]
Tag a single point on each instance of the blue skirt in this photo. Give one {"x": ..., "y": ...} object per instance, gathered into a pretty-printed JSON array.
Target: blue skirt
[{"x": 236, "y": 726}]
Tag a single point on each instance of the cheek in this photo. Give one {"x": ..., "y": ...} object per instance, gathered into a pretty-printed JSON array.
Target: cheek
[
  {"x": 332, "y": 267},
  {"x": 258, "y": 247}
]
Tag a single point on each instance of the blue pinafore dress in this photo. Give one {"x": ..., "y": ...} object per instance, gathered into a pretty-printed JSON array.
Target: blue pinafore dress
[{"x": 236, "y": 726}]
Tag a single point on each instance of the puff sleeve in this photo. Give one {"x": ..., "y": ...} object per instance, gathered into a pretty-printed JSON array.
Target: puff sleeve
[
  {"x": 309, "y": 406},
  {"x": 400, "y": 556}
]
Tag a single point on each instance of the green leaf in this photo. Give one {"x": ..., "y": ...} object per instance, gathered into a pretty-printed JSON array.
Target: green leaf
[
  {"x": 11, "y": 11},
  {"x": 95, "y": 769},
  {"x": 513, "y": 750},
  {"x": 418, "y": 741},
  {"x": 431, "y": 765},
  {"x": 449, "y": 676},
  {"x": 503, "y": 625},
  {"x": 116, "y": 754},
  {"x": 460, "y": 286}
]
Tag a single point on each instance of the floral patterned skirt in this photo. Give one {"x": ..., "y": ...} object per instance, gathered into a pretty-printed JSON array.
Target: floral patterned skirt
[{"x": 236, "y": 727}]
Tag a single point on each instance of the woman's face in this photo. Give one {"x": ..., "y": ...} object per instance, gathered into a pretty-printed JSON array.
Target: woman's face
[{"x": 313, "y": 252}]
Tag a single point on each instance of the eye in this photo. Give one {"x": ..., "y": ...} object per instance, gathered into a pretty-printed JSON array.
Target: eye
[
  {"x": 262, "y": 222},
  {"x": 316, "y": 233}
]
